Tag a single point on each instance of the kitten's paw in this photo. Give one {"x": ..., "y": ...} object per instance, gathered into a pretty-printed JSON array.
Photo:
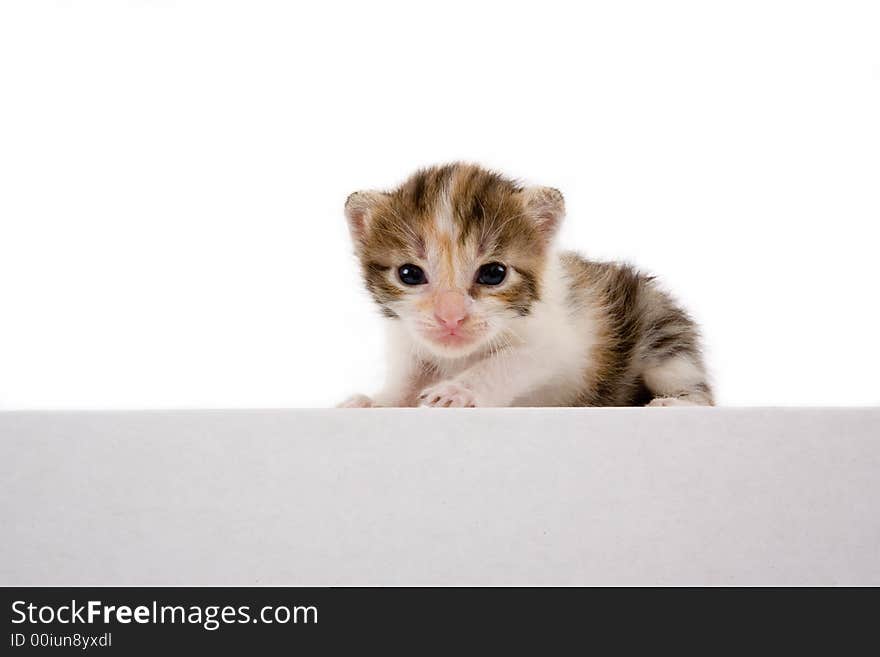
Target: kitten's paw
[
  {"x": 671, "y": 401},
  {"x": 357, "y": 401},
  {"x": 448, "y": 394}
]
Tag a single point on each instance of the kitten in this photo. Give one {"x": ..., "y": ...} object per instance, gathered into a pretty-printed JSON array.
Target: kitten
[{"x": 483, "y": 311}]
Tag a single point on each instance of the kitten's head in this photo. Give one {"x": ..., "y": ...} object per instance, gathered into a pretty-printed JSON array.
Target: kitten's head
[{"x": 456, "y": 253}]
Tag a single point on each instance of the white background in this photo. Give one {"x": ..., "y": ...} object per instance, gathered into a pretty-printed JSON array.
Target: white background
[{"x": 172, "y": 177}]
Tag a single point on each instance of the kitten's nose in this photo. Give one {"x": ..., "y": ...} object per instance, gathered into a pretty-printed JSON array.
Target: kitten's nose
[{"x": 450, "y": 309}]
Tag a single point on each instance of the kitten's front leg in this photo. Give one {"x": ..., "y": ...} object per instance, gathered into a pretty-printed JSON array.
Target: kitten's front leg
[
  {"x": 357, "y": 401},
  {"x": 450, "y": 394},
  {"x": 405, "y": 378},
  {"x": 389, "y": 397},
  {"x": 497, "y": 380}
]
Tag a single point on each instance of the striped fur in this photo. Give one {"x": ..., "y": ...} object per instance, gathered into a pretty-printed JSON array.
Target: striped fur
[{"x": 559, "y": 330}]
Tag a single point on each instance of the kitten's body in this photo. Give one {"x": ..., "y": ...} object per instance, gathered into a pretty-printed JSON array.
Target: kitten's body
[{"x": 557, "y": 331}]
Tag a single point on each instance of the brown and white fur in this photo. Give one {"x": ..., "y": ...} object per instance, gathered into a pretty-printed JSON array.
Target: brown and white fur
[{"x": 558, "y": 330}]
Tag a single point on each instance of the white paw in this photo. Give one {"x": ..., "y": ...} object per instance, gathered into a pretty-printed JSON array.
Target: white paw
[
  {"x": 670, "y": 401},
  {"x": 448, "y": 394},
  {"x": 357, "y": 401}
]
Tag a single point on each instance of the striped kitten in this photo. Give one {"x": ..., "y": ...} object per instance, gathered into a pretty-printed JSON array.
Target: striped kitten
[{"x": 483, "y": 311}]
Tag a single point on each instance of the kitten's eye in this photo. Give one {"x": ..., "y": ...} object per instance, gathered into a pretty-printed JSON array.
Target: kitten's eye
[
  {"x": 411, "y": 275},
  {"x": 491, "y": 274}
]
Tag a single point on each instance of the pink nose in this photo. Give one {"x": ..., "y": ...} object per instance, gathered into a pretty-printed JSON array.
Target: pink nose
[{"x": 450, "y": 309}]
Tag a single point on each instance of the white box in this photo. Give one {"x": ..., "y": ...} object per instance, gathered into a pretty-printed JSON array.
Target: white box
[{"x": 441, "y": 496}]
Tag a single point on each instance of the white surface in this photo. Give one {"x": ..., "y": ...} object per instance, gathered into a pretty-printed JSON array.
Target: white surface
[
  {"x": 526, "y": 496},
  {"x": 172, "y": 175}
]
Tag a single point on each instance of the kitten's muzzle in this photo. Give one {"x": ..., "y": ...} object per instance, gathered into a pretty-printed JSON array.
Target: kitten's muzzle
[{"x": 450, "y": 309}]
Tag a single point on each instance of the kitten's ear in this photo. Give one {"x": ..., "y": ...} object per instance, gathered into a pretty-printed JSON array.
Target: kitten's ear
[
  {"x": 546, "y": 207},
  {"x": 359, "y": 208}
]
